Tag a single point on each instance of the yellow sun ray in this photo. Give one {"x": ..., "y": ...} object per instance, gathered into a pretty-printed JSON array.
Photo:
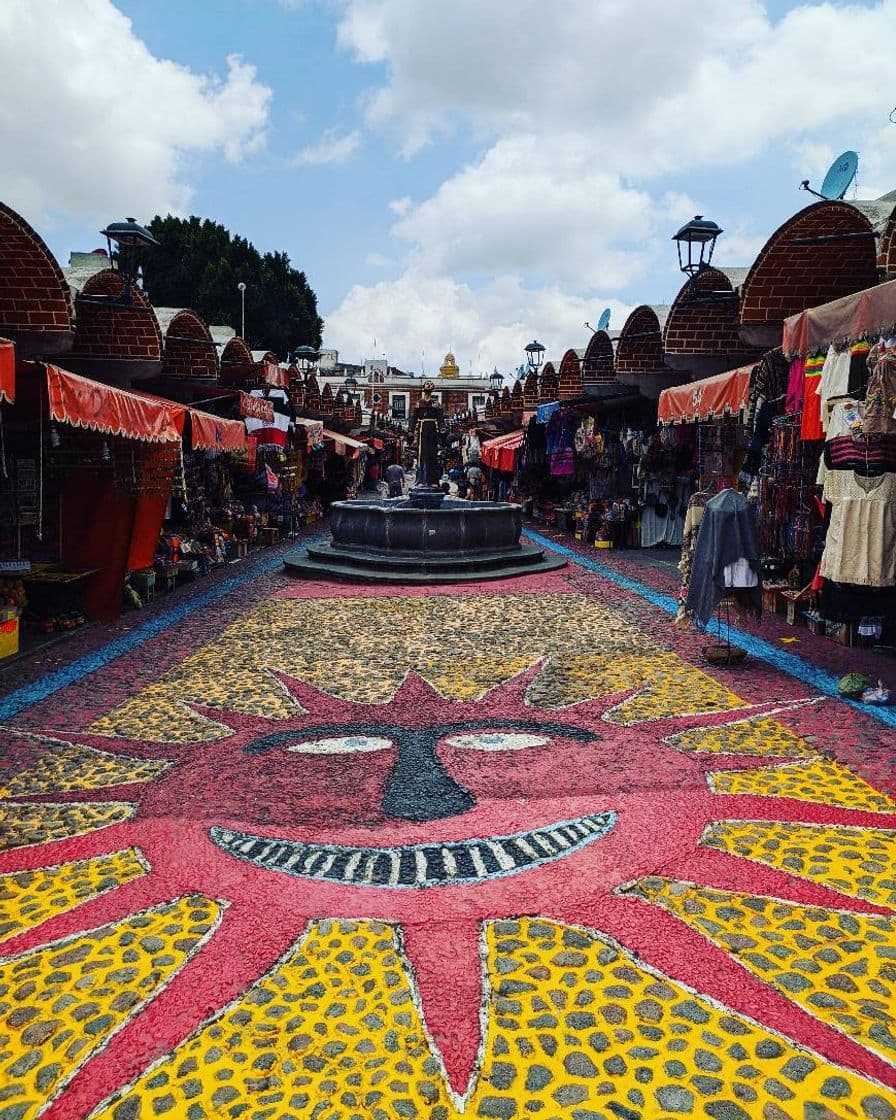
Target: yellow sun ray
[
  {"x": 837, "y": 965},
  {"x": 29, "y": 898},
  {"x": 760, "y": 735},
  {"x": 858, "y": 862},
  {"x": 59, "y": 1004},
  {"x": 39, "y": 822},
  {"x": 69, "y": 766},
  {"x": 818, "y": 780}
]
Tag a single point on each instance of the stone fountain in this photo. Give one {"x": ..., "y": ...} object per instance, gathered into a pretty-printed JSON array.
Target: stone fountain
[{"x": 423, "y": 538}]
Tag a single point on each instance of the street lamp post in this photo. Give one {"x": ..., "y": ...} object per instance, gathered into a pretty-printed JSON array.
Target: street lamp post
[
  {"x": 699, "y": 235},
  {"x": 241, "y": 288},
  {"x": 132, "y": 241},
  {"x": 534, "y": 355}
]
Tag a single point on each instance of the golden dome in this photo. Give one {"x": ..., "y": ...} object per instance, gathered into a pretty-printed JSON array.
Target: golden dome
[{"x": 449, "y": 366}]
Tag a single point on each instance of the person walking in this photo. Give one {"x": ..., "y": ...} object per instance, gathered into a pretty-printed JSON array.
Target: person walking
[
  {"x": 395, "y": 480},
  {"x": 474, "y": 476}
]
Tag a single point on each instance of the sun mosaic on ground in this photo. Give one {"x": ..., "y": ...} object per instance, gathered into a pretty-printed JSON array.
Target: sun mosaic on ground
[{"x": 495, "y": 855}]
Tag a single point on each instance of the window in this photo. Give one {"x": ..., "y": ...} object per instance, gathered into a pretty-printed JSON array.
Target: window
[{"x": 399, "y": 405}]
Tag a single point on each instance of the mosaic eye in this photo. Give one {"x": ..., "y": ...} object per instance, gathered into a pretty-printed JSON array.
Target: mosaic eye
[
  {"x": 344, "y": 744},
  {"x": 497, "y": 741}
]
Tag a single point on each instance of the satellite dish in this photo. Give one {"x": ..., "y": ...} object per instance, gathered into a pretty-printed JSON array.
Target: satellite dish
[
  {"x": 838, "y": 179},
  {"x": 604, "y": 321}
]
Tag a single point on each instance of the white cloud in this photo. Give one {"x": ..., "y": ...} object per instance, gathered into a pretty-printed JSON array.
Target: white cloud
[
  {"x": 488, "y": 326},
  {"x": 379, "y": 260},
  {"x": 94, "y": 126},
  {"x": 582, "y": 111},
  {"x": 330, "y": 149}
]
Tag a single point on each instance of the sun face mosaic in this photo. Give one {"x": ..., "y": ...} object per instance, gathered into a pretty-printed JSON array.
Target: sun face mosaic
[{"x": 491, "y": 855}]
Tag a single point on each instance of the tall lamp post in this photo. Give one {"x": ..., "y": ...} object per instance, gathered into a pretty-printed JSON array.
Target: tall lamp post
[{"x": 241, "y": 288}]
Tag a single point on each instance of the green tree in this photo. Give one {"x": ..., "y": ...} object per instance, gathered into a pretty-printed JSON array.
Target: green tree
[{"x": 199, "y": 263}]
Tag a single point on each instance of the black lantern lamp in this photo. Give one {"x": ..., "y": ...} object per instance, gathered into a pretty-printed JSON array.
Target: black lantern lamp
[
  {"x": 534, "y": 355},
  {"x": 495, "y": 380},
  {"x": 351, "y": 382},
  {"x": 305, "y": 358},
  {"x": 699, "y": 235},
  {"x": 132, "y": 241}
]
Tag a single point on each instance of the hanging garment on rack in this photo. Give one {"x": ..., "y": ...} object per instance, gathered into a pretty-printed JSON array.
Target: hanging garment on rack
[
  {"x": 794, "y": 398},
  {"x": 810, "y": 427},
  {"x": 880, "y": 398},
  {"x": 860, "y": 546},
  {"x": 846, "y": 418},
  {"x": 727, "y": 534},
  {"x": 858, "y": 367},
  {"x": 834, "y": 380},
  {"x": 868, "y": 455}
]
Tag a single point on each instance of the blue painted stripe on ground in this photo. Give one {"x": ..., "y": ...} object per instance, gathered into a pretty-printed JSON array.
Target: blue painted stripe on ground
[
  {"x": 40, "y": 689},
  {"x": 788, "y": 663}
]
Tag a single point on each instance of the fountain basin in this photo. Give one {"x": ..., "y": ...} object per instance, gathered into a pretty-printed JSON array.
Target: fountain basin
[{"x": 394, "y": 540}]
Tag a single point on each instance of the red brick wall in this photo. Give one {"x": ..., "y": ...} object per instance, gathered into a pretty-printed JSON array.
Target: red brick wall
[
  {"x": 530, "y": 391},
  {"x": 704, "y": 323},
  {"x": 184, "y": 357},
  {"x": 570, "y": 376},
  {"x": 326, "y": 399},
  {"x": 516, "y": 396},
  {"x": 34, "y": 296},
  {"x": 112, "y": 331},
  {"x": 548, "y": 383},
  {"x": 787, "y": 278},
  {"x": 597, "y": 365},
  {"x": 640, "y": 347}
]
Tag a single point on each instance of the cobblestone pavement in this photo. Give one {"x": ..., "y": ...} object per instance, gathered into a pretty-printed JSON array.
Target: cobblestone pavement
[{"x": 277, "y": 849}]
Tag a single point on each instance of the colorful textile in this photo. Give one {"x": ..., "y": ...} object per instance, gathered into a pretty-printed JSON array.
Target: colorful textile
[
  {"x": 880, "y": 399},
  {"x": 794, "y": 400},
  {"x": 810, "y": 427}
]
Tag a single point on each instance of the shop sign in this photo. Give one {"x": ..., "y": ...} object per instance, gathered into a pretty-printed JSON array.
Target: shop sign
[{"x": 258, "y": 408}]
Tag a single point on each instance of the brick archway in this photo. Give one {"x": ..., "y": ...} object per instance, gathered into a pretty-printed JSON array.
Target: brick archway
[
  {"x": 548, "y": 383},
  {"x": 120, "y": 342},
  {"x": 189, "y": 348},
  {"x": 36, "y": 309},
  {"x": 598, "y": 364},
  {"x": 570, "y": 375},
  {"x": 702, "y": 333},
  {"x": 825, "y": 251},
  {"x": 640, "y": 347}
]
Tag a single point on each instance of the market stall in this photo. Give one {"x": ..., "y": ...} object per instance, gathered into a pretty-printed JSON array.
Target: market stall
[
  {"x": 88, "y": 472},
  {"x": 842, "y": 395}
]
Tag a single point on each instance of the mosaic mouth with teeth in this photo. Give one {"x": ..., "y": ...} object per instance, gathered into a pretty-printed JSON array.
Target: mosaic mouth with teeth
[{"x": 415, "y": 866}]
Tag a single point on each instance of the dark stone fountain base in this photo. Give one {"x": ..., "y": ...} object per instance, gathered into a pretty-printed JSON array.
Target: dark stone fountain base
[{"x": 399, "y": 540}]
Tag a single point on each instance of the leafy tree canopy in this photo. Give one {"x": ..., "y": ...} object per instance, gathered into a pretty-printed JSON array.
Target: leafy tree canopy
[{"x": 199, "y": 263}]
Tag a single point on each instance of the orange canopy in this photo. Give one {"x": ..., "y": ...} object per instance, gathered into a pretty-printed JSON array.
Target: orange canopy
[
  {"x": 500, "y": 453},
  {"x": 213, "y": 433},
  {"x": 723, "y": 395},
  {"x": 7, "y": 371},
  {"x": 84, "y": 403}
]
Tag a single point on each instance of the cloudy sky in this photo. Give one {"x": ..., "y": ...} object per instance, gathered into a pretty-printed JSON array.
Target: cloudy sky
[{"x": 449, "y": 173}]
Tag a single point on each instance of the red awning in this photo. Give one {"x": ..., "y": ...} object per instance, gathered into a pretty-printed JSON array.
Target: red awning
[
  {"x": 869, "y": 313},
  {"x": 7, "y": 371},
  {"x": 212, "y": 433},
  {"x": 84, "y": 403},
  {"x": 500, "y": 453},
  {"x": 713, "y": 397}
]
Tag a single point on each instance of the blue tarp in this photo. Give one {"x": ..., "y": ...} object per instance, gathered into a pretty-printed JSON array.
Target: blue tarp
[{"x": 545, "y": 411}]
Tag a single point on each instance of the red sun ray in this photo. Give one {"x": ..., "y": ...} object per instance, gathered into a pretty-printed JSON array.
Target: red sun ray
[{"x": 447, "y": 966}]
